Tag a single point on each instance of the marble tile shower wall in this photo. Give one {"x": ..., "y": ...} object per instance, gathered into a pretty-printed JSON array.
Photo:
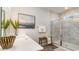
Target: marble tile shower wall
[
  {"x": 70, "y": 34},
  {"x": 69, "y": 29}
]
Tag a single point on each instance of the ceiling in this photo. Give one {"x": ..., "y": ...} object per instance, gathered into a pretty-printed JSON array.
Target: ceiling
[{"x": 55, "y": 9}]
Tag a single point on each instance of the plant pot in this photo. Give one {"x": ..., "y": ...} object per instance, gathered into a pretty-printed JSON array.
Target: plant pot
[{"x": 7, "y": 41}]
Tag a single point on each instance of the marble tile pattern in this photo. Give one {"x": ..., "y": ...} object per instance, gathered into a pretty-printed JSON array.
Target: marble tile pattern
[
  {"x": 69, "y": 29},
  {"x": 71, "y": 34}
]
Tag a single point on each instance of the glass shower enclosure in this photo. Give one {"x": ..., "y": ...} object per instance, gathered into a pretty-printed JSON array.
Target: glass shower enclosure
[
  {"x": 66, "y": 32},
  {"x": 70, "y": 29}
]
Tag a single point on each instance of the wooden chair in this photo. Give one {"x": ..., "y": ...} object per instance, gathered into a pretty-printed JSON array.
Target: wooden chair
[{"x": 43, "y": 41}]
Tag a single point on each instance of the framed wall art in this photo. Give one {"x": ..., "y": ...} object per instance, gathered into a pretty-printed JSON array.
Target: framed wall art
[{"x": 26, "y": 21}]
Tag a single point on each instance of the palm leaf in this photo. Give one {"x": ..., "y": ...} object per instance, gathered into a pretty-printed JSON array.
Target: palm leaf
[
  {"x": 5, "y": 24},
  {"x": 15, "y": 24}
]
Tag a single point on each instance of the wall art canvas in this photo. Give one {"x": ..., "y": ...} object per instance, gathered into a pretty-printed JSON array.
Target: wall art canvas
[{"x": 26, "y": 21}]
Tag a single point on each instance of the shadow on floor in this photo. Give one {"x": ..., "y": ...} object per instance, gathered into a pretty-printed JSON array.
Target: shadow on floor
[{"x": 49, "y": 47}]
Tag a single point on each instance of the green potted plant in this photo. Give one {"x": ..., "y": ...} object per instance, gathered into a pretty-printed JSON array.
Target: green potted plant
[
  {"x": 5, "y": 25},
  {"x": 6, "y": 41},
  {"x": 15, "y": 25}
]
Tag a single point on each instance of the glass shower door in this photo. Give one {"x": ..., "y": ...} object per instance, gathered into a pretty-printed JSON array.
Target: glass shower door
[
  {"x": 55, "y": 31},
  {"x": 70, "y": 32}
]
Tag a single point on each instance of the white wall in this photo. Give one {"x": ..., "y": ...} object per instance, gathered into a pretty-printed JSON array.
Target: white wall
[{"x": 43, "y": 17}]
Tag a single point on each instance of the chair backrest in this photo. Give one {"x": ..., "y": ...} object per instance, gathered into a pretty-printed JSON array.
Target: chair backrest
[{"x": 43, "y": 34}]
